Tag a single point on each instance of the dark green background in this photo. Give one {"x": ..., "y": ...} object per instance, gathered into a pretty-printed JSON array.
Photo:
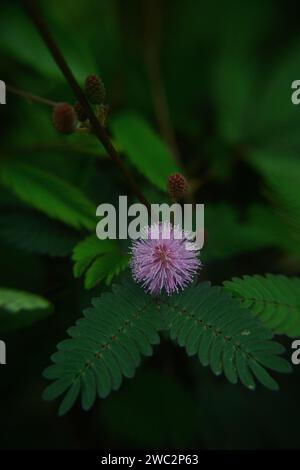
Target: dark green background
[{"x": 225, "y": 68}]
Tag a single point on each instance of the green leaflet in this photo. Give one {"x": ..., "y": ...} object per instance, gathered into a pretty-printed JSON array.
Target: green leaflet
[
  {"x": 48, "y": 193},
  {"x": 19, "y": 309},
  {"x": 144, "y": 148},
  {"x": 36, "y": 233},
  {"x": 105, "y": 345},
  {"x": 98, "y": 260},
  {"x": 208, "y": 322},
  {"x": 274, "y": 299}
]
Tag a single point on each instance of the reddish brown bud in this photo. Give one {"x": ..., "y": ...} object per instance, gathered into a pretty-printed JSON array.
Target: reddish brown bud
[
  {"x": 177, "y": 185},
  {"x": 80, "y": 111},
  {"x": 94, "y": 89},
  {"x": 64, "y": 118}
]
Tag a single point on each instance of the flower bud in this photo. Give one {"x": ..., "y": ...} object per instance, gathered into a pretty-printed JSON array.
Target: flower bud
[
  {"x": 177, "y": 185},
  {"x": 94, "y": 89},
  {"x": 64, "y": 118}
]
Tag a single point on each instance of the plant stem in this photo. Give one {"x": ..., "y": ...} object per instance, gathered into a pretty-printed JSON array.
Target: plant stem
[
  {"x": 35, "y": 15},
  {"x": 30, "y": 96}
]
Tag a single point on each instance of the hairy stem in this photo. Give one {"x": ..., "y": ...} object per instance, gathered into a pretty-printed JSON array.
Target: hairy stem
[{"x": 35, "y": 15}]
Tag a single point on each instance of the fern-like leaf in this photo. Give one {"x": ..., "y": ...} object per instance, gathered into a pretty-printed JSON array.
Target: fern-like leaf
[
  {"x": 99, "y": 260},
  {"x": 274, "y": 299},
  {"x": 208, "y": 322},
  {"x": 105, "y": 345}
]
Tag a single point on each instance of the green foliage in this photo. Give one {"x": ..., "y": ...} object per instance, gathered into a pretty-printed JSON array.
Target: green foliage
[
  {"x": 283, "y": 181},
  {"x": 233, "y": 90},
  {"x": 48, "y": 193},
  {"x": 98, "y": 260},
  {"x": 20, "y": 39},
  {"x": 227, "y": 235},
  {"x": 261, "y": 226},
  {"x": 108, "y": 342},
  {"x": 83, "y": 144},
  {"x": 274, "y": 299},
  {"x": 207, "y": 74},
  {"x": 277, "y": 119},
  {"x": 19, "y": 309},
  {"x": 36, "y": 233},
  {"x": 105, "y": 345},
  {"x": 208, "y": 322},
  {"x": 282, "y": 177},
  {"x": 144, "y": 148}
]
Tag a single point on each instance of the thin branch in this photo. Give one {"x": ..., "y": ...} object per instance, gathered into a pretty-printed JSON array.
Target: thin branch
[
  {"x": 30, "y": 96},
  {"x": 35, "y": 15}
]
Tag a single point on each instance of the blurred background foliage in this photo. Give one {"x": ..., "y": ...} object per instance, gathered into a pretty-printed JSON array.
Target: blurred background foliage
[{"x": 202, "y": 86}]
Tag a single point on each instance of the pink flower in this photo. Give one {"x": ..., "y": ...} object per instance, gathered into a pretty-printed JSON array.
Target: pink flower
[{"x": 164, "y": 258}]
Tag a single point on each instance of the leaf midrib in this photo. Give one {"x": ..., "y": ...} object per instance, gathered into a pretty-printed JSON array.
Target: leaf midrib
[
  {"x": 227, "y": 339},
  {"x": 105, "y": 346}
]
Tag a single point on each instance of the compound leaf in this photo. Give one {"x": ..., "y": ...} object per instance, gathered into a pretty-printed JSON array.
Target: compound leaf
[
  {"x": 98, "y": 260},
  {"x": 104, "y": 346},
  {"x": 274, "y": 299},
  {"x": 208, "y": 322}
]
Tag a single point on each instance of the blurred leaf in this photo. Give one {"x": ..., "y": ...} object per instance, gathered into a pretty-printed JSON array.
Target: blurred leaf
[
  {"x": 275, "y": 114},
  {"x": 35, "y": 233},
  {"x": 227, "y": 235},
  {"x": 277, "y": 227},
  {"x": 85, "y": 144},
  {"x": 275, "y": 300},
  {"x": 233, "y": 88},
  {"x": 221, "y": 159},
  {"x": 144, "y": 148},
  {"x": 99, "y": 260},
  {"x": 207, "y": 46},
  {"x": 48, "y": 193},
  {"x": 282, "y": 176},
  {"x": 95, "y": 27},
  {"x": 20, "y": 39},
  {"x": 19, "y": 309},
  {"x": 235, "y": 28}
]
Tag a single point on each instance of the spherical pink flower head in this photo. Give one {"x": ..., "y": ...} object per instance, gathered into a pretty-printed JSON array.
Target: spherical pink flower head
[{"x": 164, "y": 258}]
